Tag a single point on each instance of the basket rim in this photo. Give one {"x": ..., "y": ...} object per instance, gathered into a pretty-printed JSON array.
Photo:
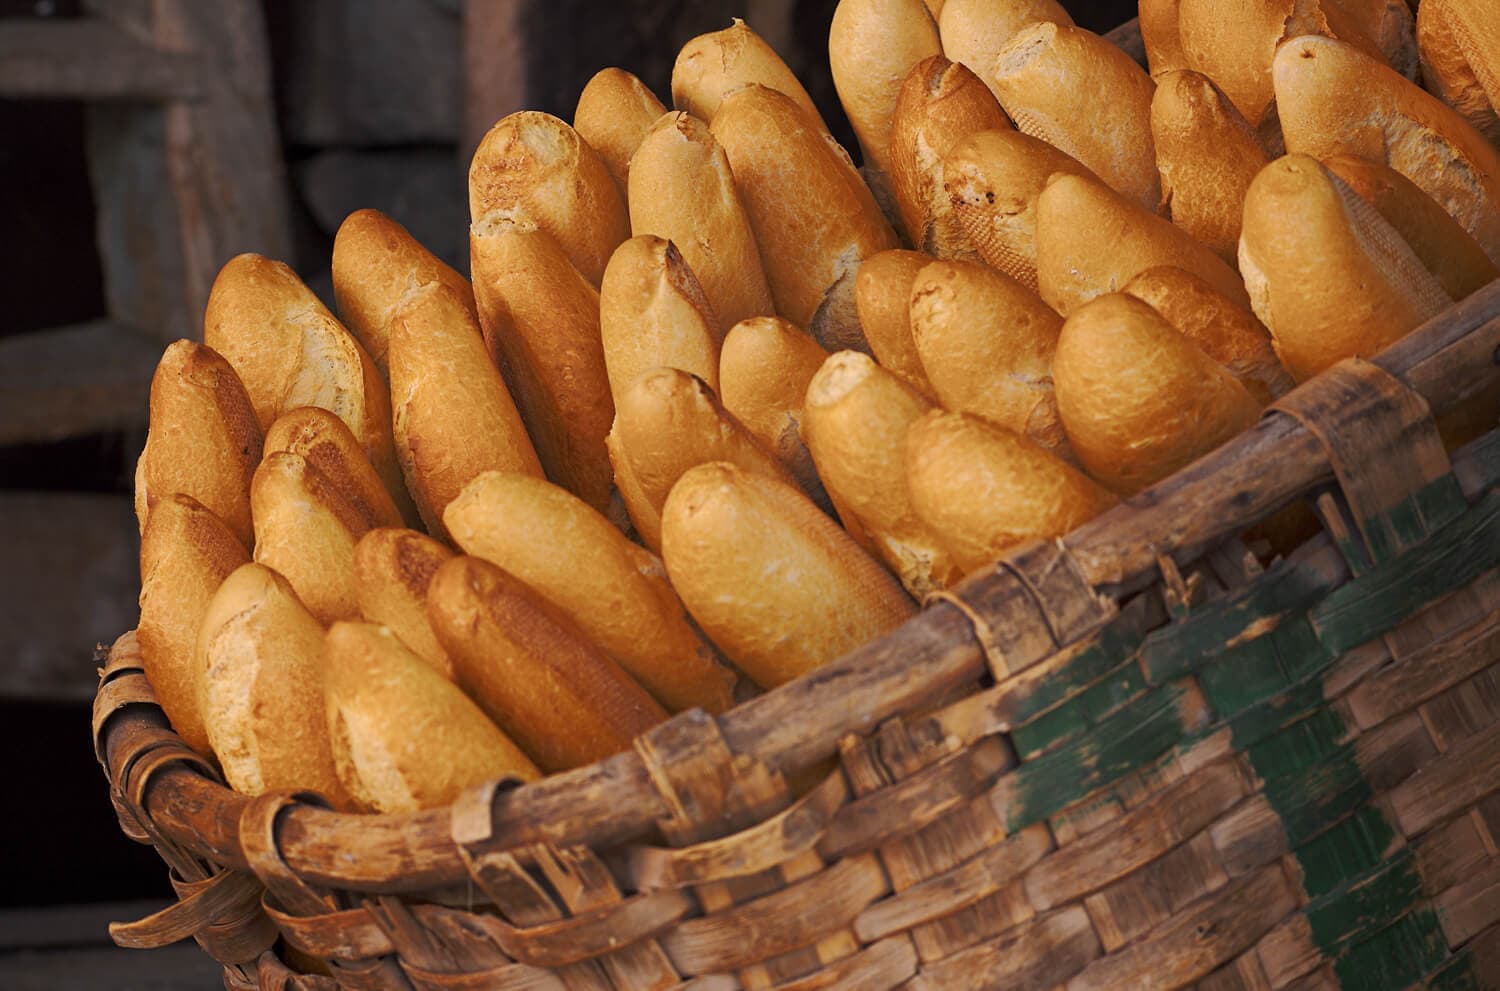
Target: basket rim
[{"x": 1447, "y": 361}]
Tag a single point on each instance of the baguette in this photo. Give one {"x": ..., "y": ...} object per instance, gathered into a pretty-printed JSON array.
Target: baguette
[
  {"x": 392, "y": 570},
  {"x": 1392, "y": 27},
  {"x": 614, "y": 112},
  {"x": 613, "y": 590},
  {"x": 1074, "y": 90},
  {"x": 404, "y": 737},
  {"x": 327, "y": 445},
  {"x": 261, "y": 693},
  {"x": 653, "y": 313},
  {"x": 1459, "y": 41},
  {"x": 186, "y": 553},
  {"x": 542, "y": 317},
  {"x": 771, "y": 580},
  {"x": 453, "y": 416},
  {"x": 682, "y": 190},
  {"x": 1139, "y": 400},
  {"x": 556, "y": 694},
  {"x": 644, "y": 518},
  {"x": 974, "y": 32},
  {"x": 1308, "y": 241},
  {"x": 940, "y": 104},
  {"x": 375, "y": 261},
  {"x": 1160, "y": 37},
  {"x": 1091, "y": 241},
  {"x": 205, "y": 439},
  {"x": 984, "y": 489},
  {"x": 714, "y": 65},
  {"x": 532, "y": 167},
  {"x": 882, "y": 291}
]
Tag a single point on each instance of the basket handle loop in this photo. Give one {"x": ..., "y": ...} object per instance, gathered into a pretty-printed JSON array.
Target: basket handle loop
[{"x": 262, "y": 848}]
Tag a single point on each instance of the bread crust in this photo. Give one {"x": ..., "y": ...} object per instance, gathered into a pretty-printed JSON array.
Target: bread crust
[
  {"x": 974, "y": 32},
  {"x": 883, "y": 294},
  {"x": 654, "y": 313},
  {"x": 1159, "y": 34},
  {"x": 392, "y": 569},
  {"x": 614, "y": 112},
  {"x": 1459, "y": 42},
  {"x": 711, "y": 66},
  {"x": 321, "y": 438}
]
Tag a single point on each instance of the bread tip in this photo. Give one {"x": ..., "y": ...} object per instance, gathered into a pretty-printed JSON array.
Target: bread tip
[
  {"x": 840, "y": 375},
  {"x": 1025, "y": 47}
]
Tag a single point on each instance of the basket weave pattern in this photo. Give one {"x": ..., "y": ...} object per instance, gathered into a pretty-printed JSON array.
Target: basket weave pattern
[{"x": 1129, "y": 759}]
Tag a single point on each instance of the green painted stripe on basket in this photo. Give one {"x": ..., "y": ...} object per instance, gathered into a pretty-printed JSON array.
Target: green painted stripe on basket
[
  {"x": 1365, "y": 904},
  {"x": 1311, "y": 778},
  {"x": 1113, "y": 645},
  {"x": 1372, "y": 604},
  {"x": 1395, "y": 957},
  {"x": 1413, "y": 519},
  {"x": 1122, "y": 685},
  {"x": 1263, "y": 669},
  {"x": 1455, "y": 975},
  {"x": 1357, "y": 846}
]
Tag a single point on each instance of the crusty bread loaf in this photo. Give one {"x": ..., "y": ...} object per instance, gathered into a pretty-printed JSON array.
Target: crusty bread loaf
[
  {"x": 1207, "y": 154},
  {"x": 713, "y": 65},
  {"x": 1391, "y": 25},
  {"x": 940, "y": 104},
  {"x": 1445, "y": 249},
  {"x": 1327, "y": 275},
  {"x": 261, "y": 693},
  {"x": 204, "y": 441},
  {"x": 1459, "y": 41},
  {"x": 560, "y": 697},
  {"x": 653, "y": 313},
  {"x": 289, "y": 351},
  {"x": 614, "y": 112},
  {"x": 186, "y": 553},
  {"x": 986, "y": 342},
  {"x": 1159, "y": 35},
  {"x": 328, "y": 446},
  {"x": 533, "y": 167},
  {"x": 974, "y": 32},
  {"x": 375, "y": 261},
  {"x": 615, "y": 591},
  {"x": 306, "y": 528},
  {"x": 855, "y": 422},
  {"x": 643, "y": 517},
  {"x": 404, "y": 737},
  {"x": 682, "y": 190},
  {"x": 813, "y": 217},
  {"x": 985, "y": 489},
  {"x": 392, "y": 569},
  {"x": 882, "y": 291},
  {"x": 542, "y": 317},
  {"x": 993, "y": 179},
  {"x": 453, "y": 415},
  {"x": 1074, "y": 90},
  {"x": 1227, "y": 332},
  {"x": 773, "y": 581},
  {"x": 1091, "y": 241},
  {"x": 872, "y": 45},
  {"x": 1334, "y": 98},
  {"x": 1140, "y": 400}
]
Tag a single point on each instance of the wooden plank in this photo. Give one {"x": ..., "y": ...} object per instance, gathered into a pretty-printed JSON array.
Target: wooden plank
[
  {"x": 87, "y": 59},
  {"x": 1453, "y": 852},
  {"x": 994, "y": 916},
  {"x": 1151, "y": 895},
  {"x": 1244, "y": 973},
  {"x": 1465, "y": 709},
  {"x": 69, "y": 381},
  {"x": 1288, "y": 952},
  {"x": 1040, "y": 955},
  {"x": 1452, "y": 782},
  {"x": 1471, "y": 906},
  {"x": 1396, "y": 957}
]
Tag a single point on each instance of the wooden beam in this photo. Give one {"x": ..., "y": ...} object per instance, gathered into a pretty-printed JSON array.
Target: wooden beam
[
  {"x": 88, "y": 59},
  {"x": 75, "y": 380}
]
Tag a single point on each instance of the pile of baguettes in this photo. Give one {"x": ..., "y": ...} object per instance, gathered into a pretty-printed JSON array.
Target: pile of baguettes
[{"x": 650, "y": 448}]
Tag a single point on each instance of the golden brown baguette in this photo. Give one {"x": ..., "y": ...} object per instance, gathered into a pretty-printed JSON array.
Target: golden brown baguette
[
  {"x": 542, "y": 317},
  {"x": 986, "y": 342},
  {"x": 974, "y": 32},
  {"x": 453, "y": 415},
  {"x": 1334, "y": 98},
  {"x": 321, "y": 438},
  {"x": 375, "y": 261},
  {"x": 993, "y": 179},
  {"x": 560, "y": 697},
  {"x": 940, "y": 104},
  {"x": 1140, "y": 400},
  {"x": 985, "y": 489},
  {"x": 204, "y": 441},
  {"x": 289, "y": 351},
  {"x": 392, "y": 569},
  {"x": 814, "y": 218},
  {"x": 1391, "y": 25},
  {"x": 261, "y": 688},
  {"x": 1159, "y": 35},
  {"x": 1091, "y": 241},
  {"x": 186, "y": 553},
  {"x": 855, "y": 422},
  {"x": 644, "y": 519},
  {"x": 882, "y": 291},
  {"x": 533, "y": 167},
  {"x": 713, "y": 65},
  {"x": 404, "y": 737},
  {"x": 1207, "y": 154},
  {"x": 1227, "y": 332},
  {"x": 1445, "y": 249},
  {"x": 872, "y": 45},
  {"x": 1459, "y": 41},
  {"x": 771, "y": 580},
  {"x": 1308, "y": 241},
  {"x": 1074, "y": 90},
  {"x": 616, "y": 592},
  {"x": 306, "y": 529},
  {"x": 653, "y": 313},
  {"x": 682, "y": 190},
  {"x": 614, "y": 112}
]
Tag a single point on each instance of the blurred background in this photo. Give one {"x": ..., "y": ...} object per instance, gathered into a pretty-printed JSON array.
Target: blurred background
[{"x": 142, "y": 144}]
